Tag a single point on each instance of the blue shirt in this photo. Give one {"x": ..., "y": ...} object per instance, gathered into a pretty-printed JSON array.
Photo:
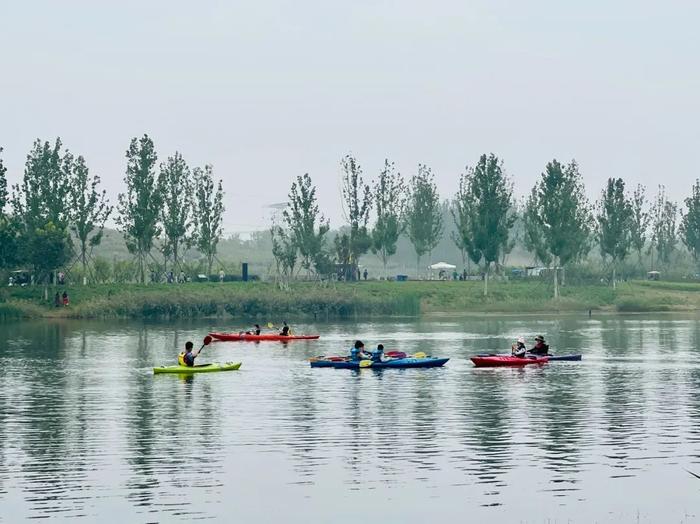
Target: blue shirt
[{"x": 188, "y": 358}]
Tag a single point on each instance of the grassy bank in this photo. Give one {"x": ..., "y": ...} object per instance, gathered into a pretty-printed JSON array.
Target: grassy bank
[{"x": 265, "y": 301}]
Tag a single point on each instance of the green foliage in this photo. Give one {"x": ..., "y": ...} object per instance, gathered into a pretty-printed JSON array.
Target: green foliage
[
  {"x": 389, "y": 204},
  {"x": 284, "y": 250},
  {"x": 176, "y": 184},
  {"x": 102, "y": 270},
  {"x": 140, "y": 207},
  {"x": 615, "y": 221},
  {"x": 89, "y": 209},
  {"x": 48, "y": 249},
  {"x": 208, "y": 213},
  {"x": 690, "y": 223},
  {"x": 301, "y": 216},
  {"x": 11, "y": 248},
  {"x": 483, "y": 211},
  {"x": 357, "y": 204},
  {"x": 43, "y": 194},
  {"x": 423, "y": 213},
  {"x": 664, "y": 235}
]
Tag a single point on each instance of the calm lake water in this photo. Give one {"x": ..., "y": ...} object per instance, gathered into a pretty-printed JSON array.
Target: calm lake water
[{"x": 89, "y": 433}]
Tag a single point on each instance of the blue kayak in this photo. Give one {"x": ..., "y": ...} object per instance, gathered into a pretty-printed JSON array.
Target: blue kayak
[
  {"x": 552, "y": 358},
  {"x": 399, "y": 363}
]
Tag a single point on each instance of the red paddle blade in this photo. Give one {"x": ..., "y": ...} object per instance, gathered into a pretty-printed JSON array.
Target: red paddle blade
[{"x": 207, "y": 340}]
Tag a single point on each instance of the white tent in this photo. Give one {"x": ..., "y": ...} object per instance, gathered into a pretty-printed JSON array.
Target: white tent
[{"x": 442, "y": 265}]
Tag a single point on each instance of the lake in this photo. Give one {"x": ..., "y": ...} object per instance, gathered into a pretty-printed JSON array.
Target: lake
[{"x": 91, "y": 434}]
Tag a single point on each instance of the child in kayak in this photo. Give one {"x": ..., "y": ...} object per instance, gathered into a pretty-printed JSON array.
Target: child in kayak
[
  {"x": 519, "y": 349},
  {"x": 358, "y": 352},
  {"x": 378, "y": 353},
  {"x": 189, "y": 355},
  {"x": 540, "y": 349}
]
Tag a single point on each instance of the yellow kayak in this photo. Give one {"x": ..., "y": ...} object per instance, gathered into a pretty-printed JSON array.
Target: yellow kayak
[{"x": 204, "y": 368}]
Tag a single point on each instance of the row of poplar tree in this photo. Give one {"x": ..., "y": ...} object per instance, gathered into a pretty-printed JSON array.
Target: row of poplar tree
[
  {"x": 56, "y": 215},
  {"x": 560, "y": 226}
]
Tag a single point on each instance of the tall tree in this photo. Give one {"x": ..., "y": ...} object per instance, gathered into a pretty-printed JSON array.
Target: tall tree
[
  {"x": 140, "y": 207},
  {"x": 558, "y": 217},
  {"x": 640, "y": 221},
  {"x": 389, "y": 204},
  {"x": 615, "y": 220},
  {"x": 484, "y": 210},
  {"x": 357, "y": 203},
  {"x": 306, "y": 224},
  {"x": 423, "y": 213},
  {"x": 89, "y": 210},
  {"x": 664, "y": 214},
  {"x": 176, "y": 183},
  {"x": 208, "y": 213},
  {"x": 41, "y": 208},
  {"x": 690, "y": 223}
]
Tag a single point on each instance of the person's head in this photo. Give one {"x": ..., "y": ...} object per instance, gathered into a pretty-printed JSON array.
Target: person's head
[
  {"x": 380, "y": 347},
  {"x": 188, "y": 346},
  {"x": 359, "y": 344},
  {"x": 257, "y": 326},
  {"x": 521, "y": 341},
  {"x": 539, "y": 339}
]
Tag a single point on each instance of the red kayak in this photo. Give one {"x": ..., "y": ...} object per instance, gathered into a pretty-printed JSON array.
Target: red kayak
[
  {"x": 270, "y": 337},
  {"x": 500, "y": 361}
]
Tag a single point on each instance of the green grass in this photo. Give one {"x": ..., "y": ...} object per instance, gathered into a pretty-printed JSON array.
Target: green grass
[{"x": 265, "y": 301}]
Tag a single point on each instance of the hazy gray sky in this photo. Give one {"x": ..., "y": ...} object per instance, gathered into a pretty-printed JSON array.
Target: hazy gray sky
[{"x": 266, "y": 91}]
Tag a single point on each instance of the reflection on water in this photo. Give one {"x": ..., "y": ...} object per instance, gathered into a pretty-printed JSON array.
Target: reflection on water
[{"x": 90, "y": 433}]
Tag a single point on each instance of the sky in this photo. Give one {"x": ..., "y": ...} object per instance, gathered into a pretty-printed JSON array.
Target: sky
[{"x": 268, "y": 90}]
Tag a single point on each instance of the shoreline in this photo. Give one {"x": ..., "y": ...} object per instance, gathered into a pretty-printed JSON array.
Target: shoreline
[{"x": 257, "y": 300}]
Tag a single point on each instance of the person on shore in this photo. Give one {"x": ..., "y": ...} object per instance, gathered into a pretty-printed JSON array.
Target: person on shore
[
  {"x": 540, "y": 348},
  {"x": 285, "y": 330},
  {"x": 365, "y": 274},
  {"x": 65, "y": 299},
  {"x": 358, "y": 352},
  {"x": 188, "y": 356},
  {"x": 57, "y": 302},
  {"x": 519, "y": 349},
  {"x": 378, "y": 353}
]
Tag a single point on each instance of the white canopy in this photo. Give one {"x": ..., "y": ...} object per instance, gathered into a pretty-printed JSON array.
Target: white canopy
[{"x": 442, "y": 265}]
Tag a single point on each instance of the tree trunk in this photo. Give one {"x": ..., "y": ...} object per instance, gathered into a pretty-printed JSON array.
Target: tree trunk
[
  {"x": 210, "y": 262},
  {"x": 417, "y": 266},
  {"x": 556, "y": 282},
  {"x": 486, "y": 279},
  {"x": 614, "y": 277},
  {"x": 84, "y": 261},
  {"x": 563, "y": 277}
]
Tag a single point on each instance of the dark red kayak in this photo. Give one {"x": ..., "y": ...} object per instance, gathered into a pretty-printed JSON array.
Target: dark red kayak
[
  {"x": 506, "y": 361},
  {"x": 238, "y": 337}
]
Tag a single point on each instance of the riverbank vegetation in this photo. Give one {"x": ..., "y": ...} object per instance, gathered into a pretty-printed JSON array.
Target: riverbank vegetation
[{"x": 266, "y": 302}]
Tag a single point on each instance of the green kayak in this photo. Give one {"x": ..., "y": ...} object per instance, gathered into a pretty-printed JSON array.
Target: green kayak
[{"x": 204, "y": 368}]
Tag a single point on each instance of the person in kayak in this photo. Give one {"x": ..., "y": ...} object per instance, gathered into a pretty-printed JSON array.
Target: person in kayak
[
  {"x": 189, "y": 355},
  {"x": 358, "y": 352},
  {"x": 540, "y": 348},
  {"x": 255, "y": 331},
  {"x": 378, "y": 353},
  {"x": 519, "y": 349},
  {"x": 285, "y": 330}
]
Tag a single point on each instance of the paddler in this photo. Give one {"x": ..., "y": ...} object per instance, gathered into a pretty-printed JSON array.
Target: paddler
[
  {"x": 378, "y": 353},
  {"x": 358, "y": 352},
  {"x": 189, "y": 355},
  {"x": 519, "y": 349},
  {"x": 285, "y": 330},
  {"x": 540, "y": 348}
]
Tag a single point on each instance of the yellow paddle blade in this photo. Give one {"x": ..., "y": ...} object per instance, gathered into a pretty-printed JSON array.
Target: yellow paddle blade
[
  {"x": 365, "y": 363},
  {"x": 270, "y": 325},
  {"x": 420, "y": 354}
]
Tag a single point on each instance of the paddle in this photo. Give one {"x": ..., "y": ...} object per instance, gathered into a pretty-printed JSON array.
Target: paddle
[
  {"x": 207, "y": 341},
  {"x": 420, "y": 354},
  {"x": 365, "y": 363}
]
